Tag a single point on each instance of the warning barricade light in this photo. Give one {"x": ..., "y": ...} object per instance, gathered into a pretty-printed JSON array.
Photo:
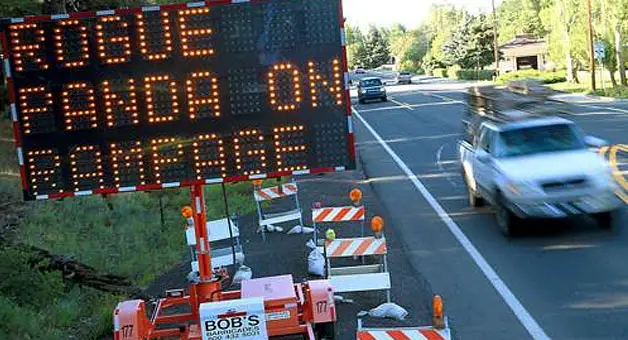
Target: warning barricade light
[
  {"x": 187, "y": 212},
  {"x": 438, "y": 318},
  {"x": 330, "y": 235},
  {"x": 377, "y": 225},
  {"x": 257, "y": 183},
  {"x": 356, "y": 196}
]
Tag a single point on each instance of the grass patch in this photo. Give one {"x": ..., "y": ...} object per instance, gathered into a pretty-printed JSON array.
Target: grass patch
[
  {"x": 569, "y": 87},
  {"x": 121, "y": 234},
  {"x": 610, "y": 91},
  {"x": 543, "y": 77},
  {"x": 613, "y": 92},
  {"x": 8, "y": 154},
  {"x": 37, "y": 305}
]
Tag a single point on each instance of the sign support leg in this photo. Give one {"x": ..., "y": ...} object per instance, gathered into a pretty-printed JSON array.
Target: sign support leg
[{"x": 208, "y": 285}]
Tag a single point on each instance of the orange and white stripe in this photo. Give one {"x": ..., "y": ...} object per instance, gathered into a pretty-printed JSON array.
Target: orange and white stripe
[
  {"x": 338, "y": 214},
  {"x": 116, "y": 324},
  {"x": 416, "y": 334},
  {"x": 355, "y": 247},
  {"x": 274, "y": 193}
]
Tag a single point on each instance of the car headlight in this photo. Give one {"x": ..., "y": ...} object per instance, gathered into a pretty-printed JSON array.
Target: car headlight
[{"x": 521, "y": 188}]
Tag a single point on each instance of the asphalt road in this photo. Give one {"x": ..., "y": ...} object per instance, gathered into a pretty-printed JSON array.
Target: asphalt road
[{"x": 563, "y": 280}]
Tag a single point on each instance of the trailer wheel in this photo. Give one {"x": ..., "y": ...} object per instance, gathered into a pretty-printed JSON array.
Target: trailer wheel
[{"x": 325, "y": 331}]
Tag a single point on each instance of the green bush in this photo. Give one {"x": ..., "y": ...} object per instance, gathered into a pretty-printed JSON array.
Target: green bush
[
  {"x": 615, "y": 92},
  {"x": 40, "y": 305},
  {"x": 439, "y": 72},
  {"x": 544, "y": 77},
  {"x": 453, "y": 72},
  {"x": 475, "y": 75},
  {"x": 17, "y": 274}
]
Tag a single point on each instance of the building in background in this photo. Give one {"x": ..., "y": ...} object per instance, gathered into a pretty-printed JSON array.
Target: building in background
[{"x": 524, "y": 52}]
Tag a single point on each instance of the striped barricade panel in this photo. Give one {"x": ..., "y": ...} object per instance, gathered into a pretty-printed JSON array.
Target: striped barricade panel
[
  {"x": 268, "y": 194},
  {"x": 405, "y": 334},
  {"x": 355, "y": 247},
  {"x": 338, "y": 214}
]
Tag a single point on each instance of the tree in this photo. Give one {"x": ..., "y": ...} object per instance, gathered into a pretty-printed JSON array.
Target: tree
[
  {"x": 356, "y": 47},
  {"x": 568, "y": 38},
  {"x": 471, "y": 45},
  {"x": 19, "y": 8},
  {"x": 614, "y": 17},
  {"x": 377, "y": 49},
  {"x": 520, "y": 16},
  {"x": 408, "y": 46},
  {"x": 441, "y": 22},
  {"x": 417, "y": 49}
]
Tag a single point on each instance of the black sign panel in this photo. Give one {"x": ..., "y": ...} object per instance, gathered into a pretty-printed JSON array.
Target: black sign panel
[{"x": 178, "y": 95}]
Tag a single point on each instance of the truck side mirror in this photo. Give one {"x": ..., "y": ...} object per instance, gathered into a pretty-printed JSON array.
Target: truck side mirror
[{"x": 594, "y": 142}]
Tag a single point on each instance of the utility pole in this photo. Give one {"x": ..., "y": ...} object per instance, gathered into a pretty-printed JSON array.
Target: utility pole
[
  {"x": 495, "y": 47},
  {"x": 591, "y": 53}
]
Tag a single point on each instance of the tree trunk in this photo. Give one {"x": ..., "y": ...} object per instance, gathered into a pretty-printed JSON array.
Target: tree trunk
[
  {"x": 619, "y": 52},
  {"x": 613, "y": 80},
  {"x": 572, "y": 73}
]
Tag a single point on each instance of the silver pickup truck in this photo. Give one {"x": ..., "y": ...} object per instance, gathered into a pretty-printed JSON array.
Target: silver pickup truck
[{"x": 536, "y": 167}]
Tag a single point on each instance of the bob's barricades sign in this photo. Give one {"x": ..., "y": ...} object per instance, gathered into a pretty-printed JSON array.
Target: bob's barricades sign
[{"x": 242, "y": 319}]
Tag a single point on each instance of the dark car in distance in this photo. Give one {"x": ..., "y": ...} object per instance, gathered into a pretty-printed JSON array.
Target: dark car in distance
[{"x": 371, "y": 88}]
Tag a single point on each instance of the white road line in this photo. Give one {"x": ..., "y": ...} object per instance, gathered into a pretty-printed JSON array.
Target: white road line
[
  {"x": 511, "y": 300},
  {"x": 602, "y": 108},
  {"x": 383, "y": 108},
  {"x": 404, "y": 105},
  {"x": 410, "y": 106},
  {"x": 445, "y": 98},
  {"x": 441, "y": 167}
]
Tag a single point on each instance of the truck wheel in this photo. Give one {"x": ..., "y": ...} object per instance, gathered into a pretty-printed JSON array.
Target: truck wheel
[
  {"x": 607, "y": 220},
  {"x": 509, "y": 223},
  {"x": 325, "y": 331}
]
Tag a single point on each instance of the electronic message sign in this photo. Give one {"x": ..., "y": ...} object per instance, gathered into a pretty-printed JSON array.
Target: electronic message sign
[{"x": 178, "y": 95}]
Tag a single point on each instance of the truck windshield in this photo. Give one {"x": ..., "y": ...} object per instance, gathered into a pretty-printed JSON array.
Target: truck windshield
[
  {"x": 371, "y": 82},
  {"x": 533, "y": 140}
]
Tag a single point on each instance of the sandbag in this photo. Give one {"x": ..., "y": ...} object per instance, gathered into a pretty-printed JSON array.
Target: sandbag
[
  {"x": 316, "y": 263},
  {"x": 389, "y": 310},
  {"x": 274, "y": 229},
  {"x": 299, "y": 229},
  {"x": 243, "y": 273}
]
